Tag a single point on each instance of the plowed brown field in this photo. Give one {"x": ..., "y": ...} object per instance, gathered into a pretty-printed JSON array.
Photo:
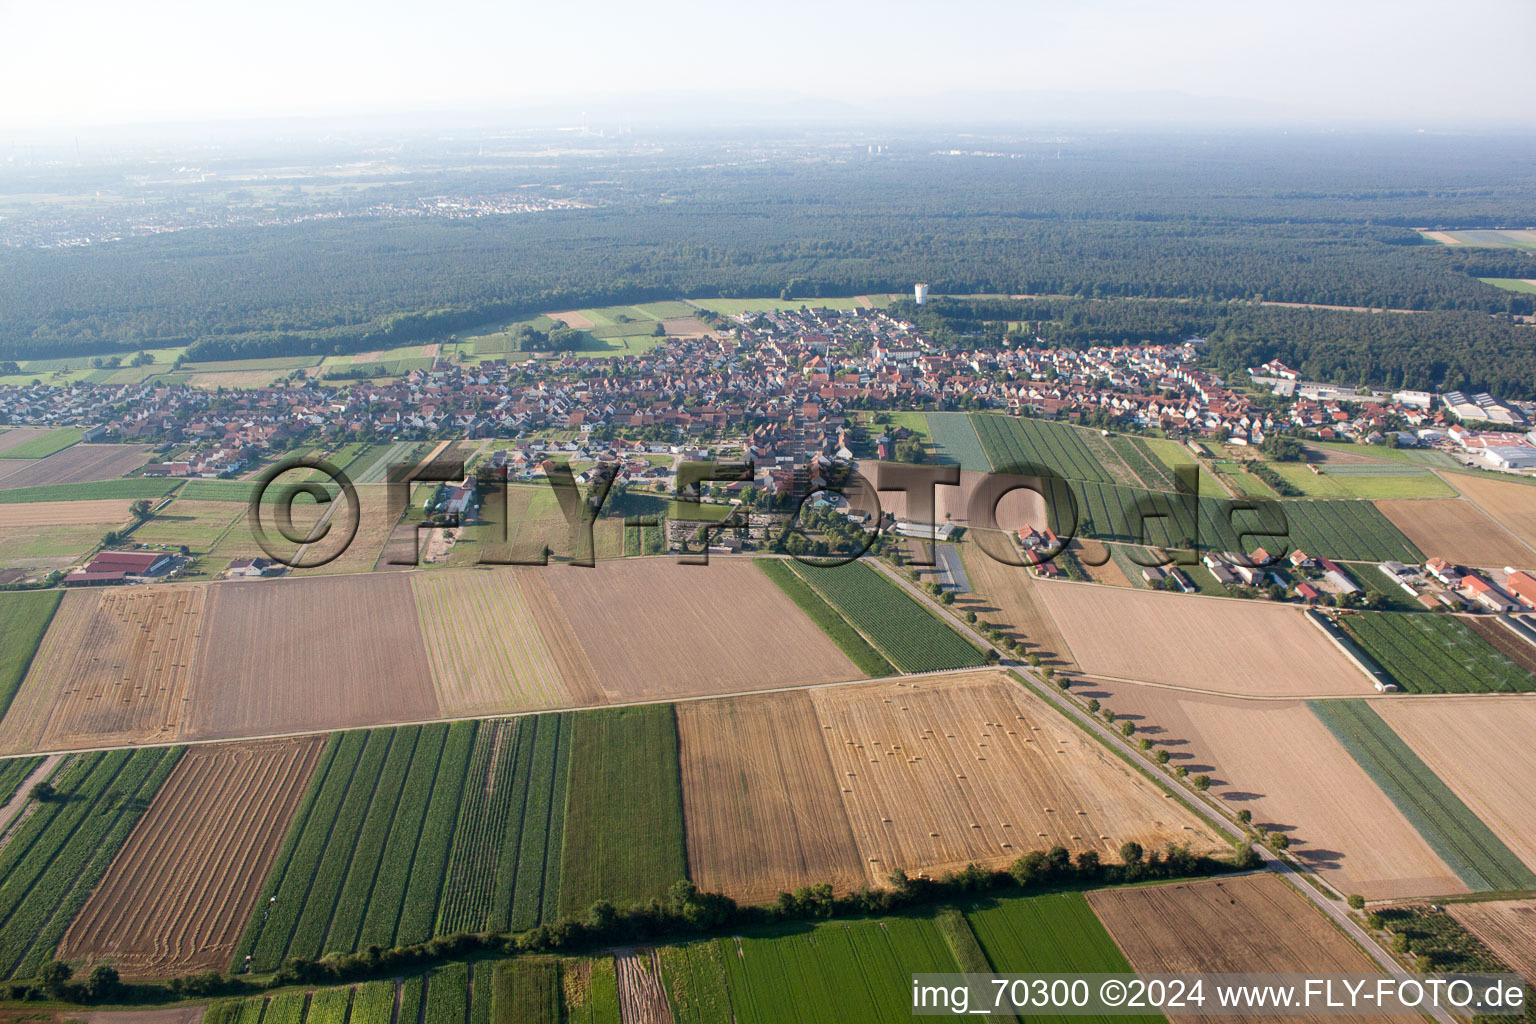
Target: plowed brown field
[
  {"x": 653, "y": 629},
  {"x": 1204, "y": 643},
  {"x": 1511, "y": 504},
  {"x": 1278, "y": 760},
  {"x": 1008, "y": 597},
  {"x": 179, "y": 893},
  {"x": 299, "y": 655},
  {"x": 936, "y": 774},
  {"x": 1481, "y": 748},
  {"x": 1507, "y": 927},
  {"x": 112, "y": 668},
  {"x": 1250, "y": 924},
  {"x": 762, "y": 805},
  {"x": 1455, "y": 530},
  {"x": 82, "y": 463}
]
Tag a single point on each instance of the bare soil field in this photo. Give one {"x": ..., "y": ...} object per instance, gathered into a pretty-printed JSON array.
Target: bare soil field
[
  {"x": 1455, "y": 530},
  {"x": 113, "y": 668},
  {"x": 179, "y": 892},
  {"x": 9, "y": 467},
  {"x": 1014, "y": 509},
  {"x": 939, "y": 773},
  {"x": 108, "y": 511},
  {"x": 1509, "y": 645},
  {"x": 763, "y": 809},
  {"x": 300, "y": 655},
  {"x": 1107, "y": 571},
  {"x": 1204, "y": 643},
  {"x": 653, "y": 629},
  {"x": 685, "y": 327},
  {"x": 1511, "y": 504},
  {"x": 81, "y": 463},
  {"x": 1248, "y": 924},
  {"x": 484, "y": 643},
  {"x": 574, "y": 319},
  {"x": 1480, "y": 748},
  {"x": 642, "y": 999},
  {"x": 1507, "y": 927},
  {"x": 1278, "y": 760},
  {"x": 1009, "y": 598}
]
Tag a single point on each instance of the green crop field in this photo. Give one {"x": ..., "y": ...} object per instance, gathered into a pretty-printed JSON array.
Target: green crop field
[
  {"x": 44, "y": 445},
  {"x": 1134, "y": 453},
  {"x": 527, "y": 991},
  {"x": 624, "y": 809},
  {"x": 412, "y": 992},
  {"x": 1058, "y": 933},
  {"x": 24, "y": 617},
  {"x": 1367, "y": 481},
  {"x": 694, "y": 975},
  {"x": 1354, "y": 531},
  {"x": 845, "y": 972},
  {"x": 365, "y": 857},
  {"x": 1436, "y": 654},
  {"x": 955, "y": 442},
  {"x": 907, "y": 634},
  {"x": 504, "y": 871},
  {"x": 1014, "y": 442},
  {"x": 869, "y": 661},
  {"x": 448, "y": 995},
  {"x": 729, "y": 307},
  {"x": 13, "y": 772},
  {"x": 1468, "y": 847},
  {"x": 374, "y": 1003},
  {"x": 329, "y": 1006},
  {"x": 132, "y": 490},
  {"x": 58, "y": 853},
  {"x": 1511, "y": 284}
]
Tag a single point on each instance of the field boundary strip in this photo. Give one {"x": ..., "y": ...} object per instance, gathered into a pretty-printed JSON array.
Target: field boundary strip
[{"x": 1460, "y": 838}]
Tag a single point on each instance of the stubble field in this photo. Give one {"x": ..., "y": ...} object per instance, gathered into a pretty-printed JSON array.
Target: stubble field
[
  {"x": 1276, "y": 759},
  {"x": 106, "y": 511},
  {"x": 1009, "y": 598},
  {"x": 485, "y": 646},
  {"x": 82, "y": 463},
  {"x": 1226, "y": 646},
  {"x": 652, "y": 629},
  {"x": 281, "y": 656},
  {"x": 941, "y": 773},
  {"x": 180, "y": 891},
  {"x": 762, "y": 806},
  {"x": 1247, "y": 924},
  {"x": 1507, "y": 927},
  {"x": 1481, "y": 749},
  {"x": 112, "y": 668},
  {"x": 1456, "y": 531}
]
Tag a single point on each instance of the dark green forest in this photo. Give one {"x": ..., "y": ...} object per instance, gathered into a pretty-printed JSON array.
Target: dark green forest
[{"x": 1326, "y": 221}]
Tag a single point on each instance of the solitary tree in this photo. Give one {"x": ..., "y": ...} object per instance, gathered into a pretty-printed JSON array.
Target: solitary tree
[
  {"x": 1356, "y": 901},
  {"x": 1202, "y": 782},
  {"x": 1245, "y": 817}
]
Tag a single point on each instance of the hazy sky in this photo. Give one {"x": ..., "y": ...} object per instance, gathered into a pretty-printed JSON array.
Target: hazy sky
[{"x": 1403, "y": 61}]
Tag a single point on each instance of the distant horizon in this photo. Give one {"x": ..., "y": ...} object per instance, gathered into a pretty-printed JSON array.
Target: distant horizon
[{"x": 1115, "y": 62}]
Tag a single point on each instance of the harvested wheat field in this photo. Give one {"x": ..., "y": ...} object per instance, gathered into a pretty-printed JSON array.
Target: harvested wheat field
[
  {"x": 1507, "y": 927},
  {"x": 1480, "y": 748},
  {"x": 1455, "y": 530},
  {"x": 1013, "y": 509},
  {"x": 107, "y": 511},
  {"x": 485, "y": 646},
  {"x": 574, "y": 319},
  {"x": 1204, "y": 643},
  {"x": 1511, "y": 504},
  {"x": 113, "y": 668},
  {"x": 375, "y": 522},
  {"x": 936, "y": 774},
  {"x": 81, "y": 463},
  {"x": 304, "y": 655},
  {"x": 763, "y": 809},
  {"x": 1278, "y": 760},
  {"x": 1009, "y": 598},
  {"x": 653, "y": 629},
  {"x": 1248, "y": 924},
  {"x": 179, "y": 893}
]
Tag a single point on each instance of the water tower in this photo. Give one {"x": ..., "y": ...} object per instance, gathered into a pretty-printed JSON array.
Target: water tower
[{"x": 920, "y": 293}]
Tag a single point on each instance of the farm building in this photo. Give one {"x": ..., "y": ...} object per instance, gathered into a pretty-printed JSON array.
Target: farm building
[
  {"x": 1521, "y": 585},
  {"x": 112, "y": 568}
]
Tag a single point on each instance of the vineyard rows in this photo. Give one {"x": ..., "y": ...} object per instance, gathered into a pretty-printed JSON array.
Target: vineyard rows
[{"x": 1436, "y": 654}]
